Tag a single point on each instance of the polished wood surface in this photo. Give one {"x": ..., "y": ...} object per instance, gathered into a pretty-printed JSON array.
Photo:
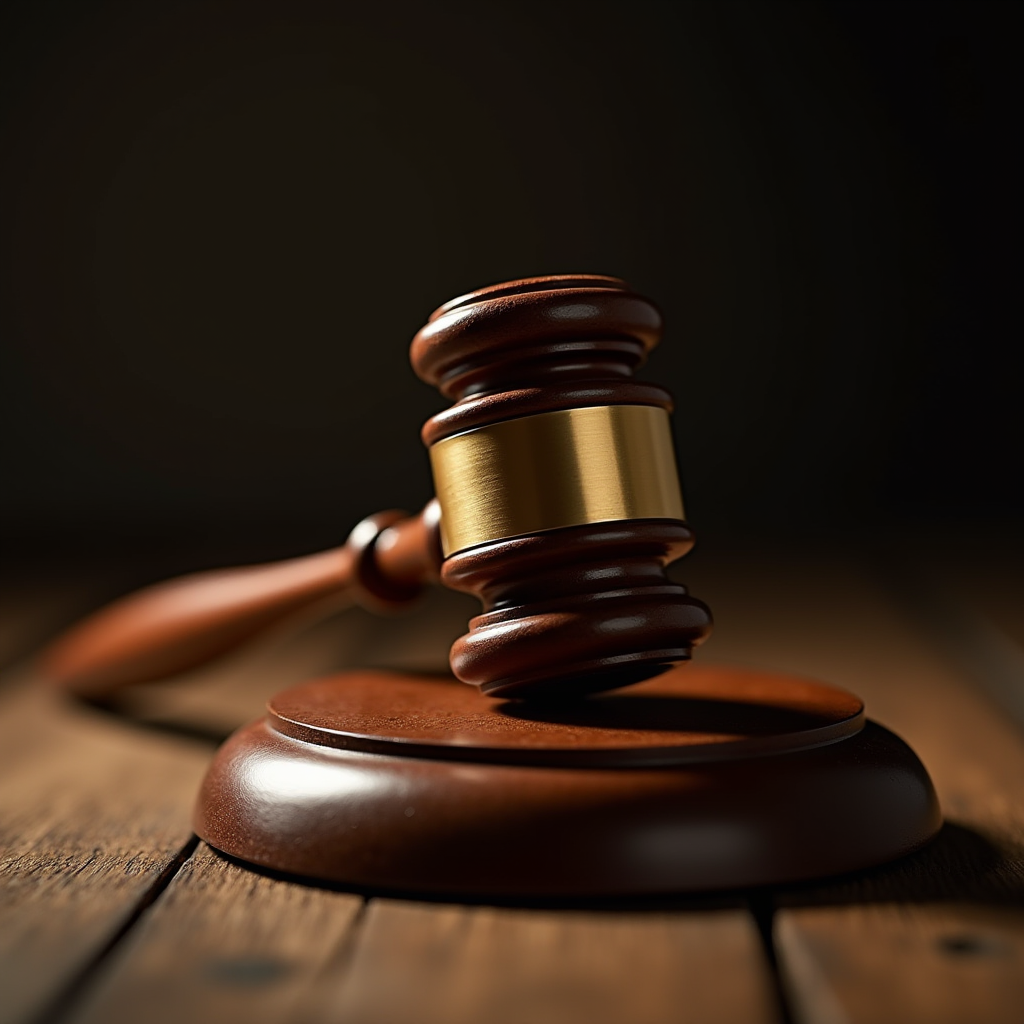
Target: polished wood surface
[
  {"x": 533, "y": 332},
  {"x": 587, "y": 607},
  {"x": 704, "y": 778},
  {"x": 695, "y": 715},
  {"x": 111, "y": 914},
  {"x": 576, "y": 611},
  {"x": 566, "y": 611},
  {"x": 175, "y": 626}
]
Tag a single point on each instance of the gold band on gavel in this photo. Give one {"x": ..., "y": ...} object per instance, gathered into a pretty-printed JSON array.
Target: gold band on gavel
[{"x": 555, "y": 469}]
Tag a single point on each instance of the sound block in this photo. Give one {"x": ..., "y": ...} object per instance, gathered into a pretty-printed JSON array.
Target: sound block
[{"x": 702, "y": 778}]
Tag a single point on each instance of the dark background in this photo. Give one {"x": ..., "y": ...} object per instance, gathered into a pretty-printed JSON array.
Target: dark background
[{"x": 222, "y": 223}]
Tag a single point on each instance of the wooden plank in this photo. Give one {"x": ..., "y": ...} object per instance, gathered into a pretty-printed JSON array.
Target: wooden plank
[
  {"x": 93, "y": 812},
  {"x": 224, "y": 943},
  {"x": 820, "y": 617},
  {"x": 429, "y": 964},
  {"x": 95, "y": 808},
  {"x": 829, "y": 618},
  {"x": 890, "y": 964}
]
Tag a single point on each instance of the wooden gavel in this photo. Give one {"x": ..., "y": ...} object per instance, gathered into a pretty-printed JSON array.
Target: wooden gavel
[{"x": 558, "y": 505}]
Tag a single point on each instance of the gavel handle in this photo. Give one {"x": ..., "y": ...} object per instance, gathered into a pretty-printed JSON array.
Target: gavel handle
[{"x": 183, "y": 623}]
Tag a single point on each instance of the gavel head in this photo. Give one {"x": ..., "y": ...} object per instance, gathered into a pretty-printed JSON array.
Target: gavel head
[{"x": 560, "y": 500}]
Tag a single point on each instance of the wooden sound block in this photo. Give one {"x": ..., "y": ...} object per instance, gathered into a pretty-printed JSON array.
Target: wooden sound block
[{"x": 702, "y": 778}]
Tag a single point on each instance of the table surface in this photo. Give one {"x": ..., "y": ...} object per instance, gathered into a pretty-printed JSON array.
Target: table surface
[{"x": 112, "y": 911}]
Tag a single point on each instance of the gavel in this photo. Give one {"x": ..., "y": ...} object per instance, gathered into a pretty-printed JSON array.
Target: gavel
[{"x": 558, "y": 505}]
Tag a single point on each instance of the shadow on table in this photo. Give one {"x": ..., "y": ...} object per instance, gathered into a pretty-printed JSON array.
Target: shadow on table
[
  {"x": 961, "y": 865},
  {"x": 123, "y": 709}
]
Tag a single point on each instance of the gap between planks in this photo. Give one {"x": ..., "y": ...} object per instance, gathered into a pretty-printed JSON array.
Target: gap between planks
[
  {"x": 65, "y": 1000},
  {"x": 226, "y": 944},
  {"x": 92, "y": 814},
  {"x": 825, "y": 619},
  {"x": 935, "y": 937},
  {"x": 898, "y": 963}
]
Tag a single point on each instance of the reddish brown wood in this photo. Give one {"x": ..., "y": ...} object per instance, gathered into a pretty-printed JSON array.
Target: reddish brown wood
[
  {"x": 183, "y": 623},
  {"x": 557, "y": 622},
  {"x": 690, "y": 716},
  {"x": 477, "y": 410},
  {"x": 560, "y": 328},
  {"x": 703, "y": 778},
  {"x": 584, "y": 608},
  {"x": 568, "y": 611}
]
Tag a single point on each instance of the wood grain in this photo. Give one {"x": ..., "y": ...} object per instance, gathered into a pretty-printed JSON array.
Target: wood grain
[
  {"x": 92, "y": 814},
  {"x": 95, "y": 807},
  {"x": 463, "y": 965},
  {"x": 225, "y": 944},
  {"x": 890, "y": 964},
  {"x": 851, "y": 961}
]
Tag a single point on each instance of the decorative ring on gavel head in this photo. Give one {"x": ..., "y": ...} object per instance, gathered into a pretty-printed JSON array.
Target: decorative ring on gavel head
[
  {"x": 560, "y": 500},
  {"x": 597, "y": 464}
]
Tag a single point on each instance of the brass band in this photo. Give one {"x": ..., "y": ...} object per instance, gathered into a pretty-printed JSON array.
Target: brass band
[{"x": 555, "y": 469}]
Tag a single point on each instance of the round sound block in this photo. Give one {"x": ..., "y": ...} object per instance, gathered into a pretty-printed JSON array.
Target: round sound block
[{"x": 702, "y": 778}]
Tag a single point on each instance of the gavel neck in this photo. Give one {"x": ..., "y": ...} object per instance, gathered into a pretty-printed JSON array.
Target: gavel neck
[{"x": 181, "y": 624}]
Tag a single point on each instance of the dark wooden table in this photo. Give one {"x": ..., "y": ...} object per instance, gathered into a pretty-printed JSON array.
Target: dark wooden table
[{"x": 112, "y": 911}]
